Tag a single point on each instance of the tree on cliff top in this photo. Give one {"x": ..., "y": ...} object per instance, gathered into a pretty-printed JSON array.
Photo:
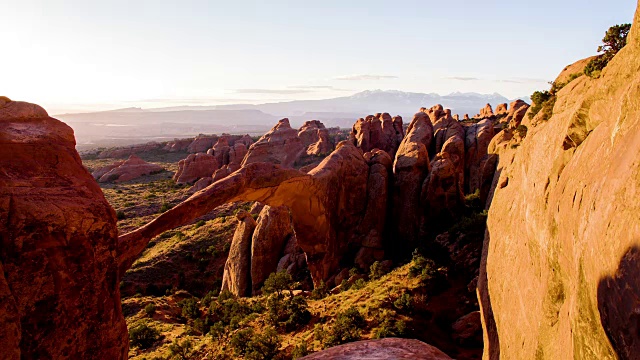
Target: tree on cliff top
[{"x": 614, "y": 40}]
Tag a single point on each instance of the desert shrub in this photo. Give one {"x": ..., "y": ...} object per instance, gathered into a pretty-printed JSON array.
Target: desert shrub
[
  {"x": 404, "y": 302},
  {"x": 345, "y": 285},
  {"x": 120, "y": 215},
  {"x": 229, "y": 310},
  {"x": 190, "y": 308},
  {"x": 300, "y": 350},
  {"x": 522, "y": 130},
  {"x": 346, "y": 328},
  {"x": 378, "y": 270},
  {"x": 421, "y": 266},
  {"x": 202, "y": 325},
  {"x": 200, "y": 223},
  {"x": 143, "y": 336},
  {"x": 150, "y": 309},
  {"x": 181, "y": 350},
  {"x": 291, "y": 312},
  {"x": 278, "y": 282},
  {"x": 226, "y": 247},
  {"x": 539, "y": 98},
  {"x": 359, "y": 284},
  {"x": 164, "y": 207},
  {"x": 217, "y": 331},
  {"x": 389, "y": 328},
  {"x": 320, "y": 291},
  {"x": 263, "y": 346},
  {"x": 240, "y": 341}
]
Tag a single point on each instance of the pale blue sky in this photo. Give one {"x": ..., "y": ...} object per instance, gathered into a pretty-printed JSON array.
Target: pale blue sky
[{"x": 74, "y": 55}]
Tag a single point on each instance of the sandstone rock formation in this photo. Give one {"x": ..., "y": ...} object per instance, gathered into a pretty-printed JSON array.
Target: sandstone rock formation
[
  {"x": 237, "y": 269},
  {"x": 326, "y": 204},
  {"x": 564, "y": 225},
  {"x": 486, "y": 112},
  {"x": 378, "y": 132},
  {"x": 132, "y": 168},
  {"x": 390, "y": 348},
  {"x": 59, "y": 295},
  {"x": 281, "y": 145},
  {"x": 195, "y": 167},
  {"x": 410, "y": 168},
  {"x": 273, "y": 232},
  {"x": 517, "y": 110},
  {"x": 97, "y": 174},
  {"x": 501, "y": 109},
  {"x": 178, "y": 145},
  {"x": 201, "y": 143},
  {"x": 477, "y": 139},
  {"x": 315, "y": 138}
]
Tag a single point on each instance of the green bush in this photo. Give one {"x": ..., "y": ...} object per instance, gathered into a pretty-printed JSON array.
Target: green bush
[
  {"x": 377, "y": 270},
  {"x": 421, "y": 266},
  {"x": 190, "y": 308},
  {"x": 291, "y": 312},
  {"x": 181, "y": 350},
  {"x": 539, "y": 98},
  {"x": 404, "y": 302},
  {"x": 165, "y": 206},
  {"x": 359, "y": 284},
  {"x": 522, "y": 130},
  {"x": 300, "y": 350},
  {"x": 217, "y": 331},
  {"x": 320, "y": 292},
  {"x": 278, "y": 282},
  {"x": 264, "y": 346},
  {"x": 389, "y": 328},
  {"x": 120, "y": 215},
  {"x": 240, "y": 341},
  {"x": 202, "y": 325},
  {"x": 346, "y": 328},
  {"x": 143, "y": 336},
  {"x": 150, "y": 309}
]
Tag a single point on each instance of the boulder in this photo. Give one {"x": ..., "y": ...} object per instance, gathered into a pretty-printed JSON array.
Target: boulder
[
  {"x": 105, "y": 169},
  {"x": 237, "y": 269},
  {"x": 389, "y": 348},
  {"x": 195, "y": 167},
  {"x": 59, "y": 278},
  {"x": 132, "y": 168},
  {"x": 467, "y": 330}
]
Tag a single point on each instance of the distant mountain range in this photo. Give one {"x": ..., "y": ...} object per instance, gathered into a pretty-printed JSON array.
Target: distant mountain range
[{"x": 135, "y": 125}]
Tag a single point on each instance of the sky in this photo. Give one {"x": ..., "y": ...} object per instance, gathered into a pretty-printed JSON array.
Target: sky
[{"x": 73, "y": 56}]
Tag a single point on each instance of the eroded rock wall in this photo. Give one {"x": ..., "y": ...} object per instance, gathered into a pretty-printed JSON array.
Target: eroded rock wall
[{"x": 561, "y": 264}]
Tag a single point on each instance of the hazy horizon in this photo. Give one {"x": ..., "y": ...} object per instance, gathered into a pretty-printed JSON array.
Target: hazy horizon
[{"x": 90, "y": 56}]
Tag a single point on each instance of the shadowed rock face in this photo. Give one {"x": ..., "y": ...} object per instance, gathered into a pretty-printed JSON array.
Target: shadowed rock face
[
  {"x": 410, "y": 169},
  {"x": 237, "y": 269},
  {"x": 195, "y": 167},
  {"x": 59, "y": 295},
  {"x": 389, "y": 348},
  {"x": 271, "y": 235},
  {"x": 563, "y": 224}
]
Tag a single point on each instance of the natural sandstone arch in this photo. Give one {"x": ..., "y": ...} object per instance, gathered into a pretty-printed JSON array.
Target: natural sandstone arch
[{"x": 328, "y": 207}]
